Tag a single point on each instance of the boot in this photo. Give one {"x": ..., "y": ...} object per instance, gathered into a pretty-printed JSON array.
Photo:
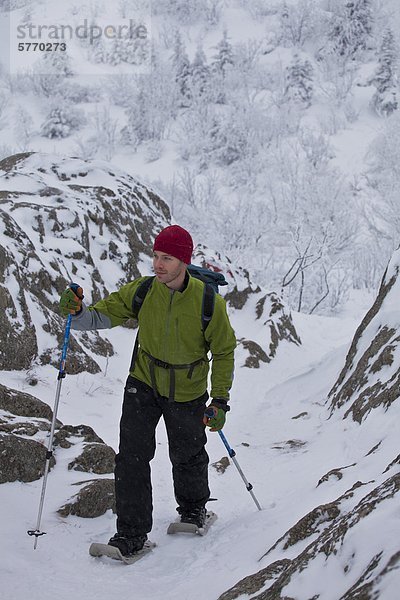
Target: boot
[
  {"x": 196, "y": 515},
  {"x": 127, "y": 545}
]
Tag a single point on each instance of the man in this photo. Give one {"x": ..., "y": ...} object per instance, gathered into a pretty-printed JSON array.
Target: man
[{"x": 168, "y": 377}]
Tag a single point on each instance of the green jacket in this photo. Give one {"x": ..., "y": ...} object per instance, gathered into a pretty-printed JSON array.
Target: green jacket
[{"x": 170, "y": 329}]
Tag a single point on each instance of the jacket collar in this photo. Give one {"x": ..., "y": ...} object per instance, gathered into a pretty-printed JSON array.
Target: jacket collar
[{"x": 166, "y": 290}]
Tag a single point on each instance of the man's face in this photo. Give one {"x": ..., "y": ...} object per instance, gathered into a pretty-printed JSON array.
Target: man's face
[{"x": 167, "y": 268}]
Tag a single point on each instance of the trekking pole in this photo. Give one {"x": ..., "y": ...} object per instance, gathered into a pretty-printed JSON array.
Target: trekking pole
[
  {"x": 61, "y": 374},
  {"x": 232, "y": 454}
]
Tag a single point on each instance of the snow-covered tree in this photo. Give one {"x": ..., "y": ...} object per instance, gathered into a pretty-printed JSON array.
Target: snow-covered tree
[
  {"x": 138, "y": 128},
  {"x": 221, "y": 66},
  {"x": 384, "y": 101},
  {"x": 57, "y": 63},
  {"x": 238, "y": 136},
  {"x": 105, "y": 128},
  {"x": 194, "y": 129},
  {"x": 314, "y": 228},
  {"x": 128, "y": 7},
  {"x": 121, "y": 88},
  {"x": 182, "y": 69},
  {"x": 23, "y": 128},
  {"x": 130, "y": 50},
  {"x": 98, "y": 52},
  {"x": 49, "y": 72},
  {"x": 316, "y": 147},
  {"x": 200, "y": 74},
  {"x": 383, "y": 160},
  {"x": 186, "y": 12},
  {"x": 223, "y": 59},
  {"x": 229, "y": 141},
  {"x": 299, "y": 81},
  {"x": 297, "y": 22},
  {"x": 213, "y": 11},
  {"x": 351, "y": 28},
  {"x": 178, "y": 50},
  {"x": 152, "y": 106},
  {"x": 62, "y": 121}
]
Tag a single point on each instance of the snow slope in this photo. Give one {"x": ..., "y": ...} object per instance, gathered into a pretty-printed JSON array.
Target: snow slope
[{"x": 284, "y": 478}]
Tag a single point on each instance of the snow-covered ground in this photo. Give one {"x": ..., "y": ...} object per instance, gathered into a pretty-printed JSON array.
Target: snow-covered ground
[{"x": 259, "y": 426}]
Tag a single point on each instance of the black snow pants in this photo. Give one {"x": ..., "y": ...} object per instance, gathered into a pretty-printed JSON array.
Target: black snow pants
[{"x": 141, "y": 412}]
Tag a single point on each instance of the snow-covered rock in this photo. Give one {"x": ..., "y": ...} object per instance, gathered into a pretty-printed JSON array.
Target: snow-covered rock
[
  {"x": 370, "y": 378},
  {"x": 65, "y": 219}
]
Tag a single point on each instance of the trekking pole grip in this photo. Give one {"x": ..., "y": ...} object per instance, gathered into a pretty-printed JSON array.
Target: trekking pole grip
[{"x": 61, "y": 372}]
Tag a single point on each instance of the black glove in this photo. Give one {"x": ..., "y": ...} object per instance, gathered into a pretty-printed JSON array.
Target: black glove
[{"x": 221, "y": 403}]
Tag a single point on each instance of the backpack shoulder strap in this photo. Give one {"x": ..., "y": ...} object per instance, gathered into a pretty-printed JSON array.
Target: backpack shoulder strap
[
  {"x": 140, "y": 295},
  {"x": 207, "y": 309},
  {"x": 137, "y": 303}
]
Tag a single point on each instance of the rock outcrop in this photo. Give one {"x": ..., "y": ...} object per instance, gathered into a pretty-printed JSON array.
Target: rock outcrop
[
  {"x": 21, "y": 459},
  {"x": 25, "y": 423},
  {"x": 370, "y": 377},
  {"x": 64, "y": 219},
  {"x": 93, "y": 499}
]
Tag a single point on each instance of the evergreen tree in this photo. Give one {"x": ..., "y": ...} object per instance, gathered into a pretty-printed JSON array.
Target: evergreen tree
[
  {"x": 352, "y": 28},
  {"x": 182, "y": 68},
  {"x": 200, "y": 73},
  {"x": 178, "y": 50},
  {"x": 138, "y": 128},
  {"x": 97, "y": 52},
  {"x": 133, "y": 51},
  {"x": 299, "y": 81},
  {"x": 223, "y": 61},
  {"x": 364, "y": 15},
  {"x": 224, "y": 58},
  {"x": 61, "y": 122},
  {"x": 152, "y": 105},
  {"x": 384, "y": 101}
]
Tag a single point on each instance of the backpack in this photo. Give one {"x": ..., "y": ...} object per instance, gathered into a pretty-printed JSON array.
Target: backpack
[{"x": 212, "y": 282}]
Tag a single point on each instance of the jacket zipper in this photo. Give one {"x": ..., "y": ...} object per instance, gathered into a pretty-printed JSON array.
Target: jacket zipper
[{"x": 166, "y": 338}]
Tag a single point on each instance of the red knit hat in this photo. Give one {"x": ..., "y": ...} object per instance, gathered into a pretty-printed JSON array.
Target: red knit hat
[{"x": 176, "y": 241}]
